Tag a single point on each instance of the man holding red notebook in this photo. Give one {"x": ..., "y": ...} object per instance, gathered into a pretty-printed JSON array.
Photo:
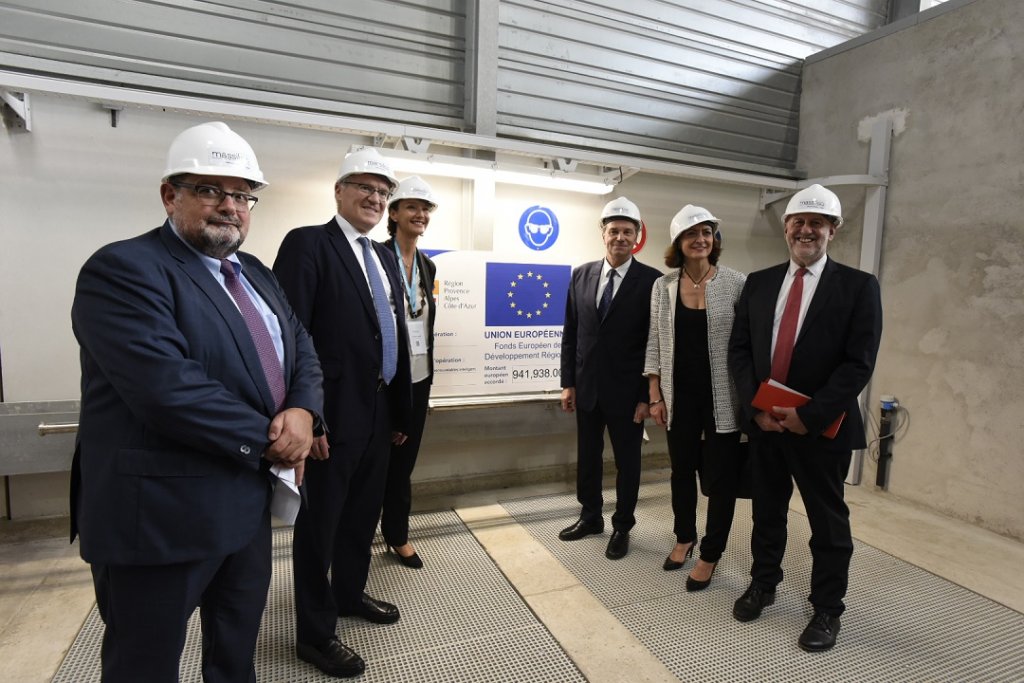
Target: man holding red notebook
[{"x": 813, "y": 326}]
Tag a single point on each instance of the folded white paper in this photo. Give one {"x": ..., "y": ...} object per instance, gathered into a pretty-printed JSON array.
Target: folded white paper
[{"x": 287, "y": 499}]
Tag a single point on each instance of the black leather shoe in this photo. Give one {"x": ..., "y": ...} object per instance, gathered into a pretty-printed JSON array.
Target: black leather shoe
[
  {"x": 820, "y": 634},
  {"x": 412, "y": 561},
  {"x": 671, "y": 565},
  {"x": 750, "y": 604},
  {"x": 376, "y": 611},
  {"x": 618, "y": 545},
  {"x": 693, "y": 585},
  {"x": 334, "y": 658},
  {"x": 580, "y": 529}
]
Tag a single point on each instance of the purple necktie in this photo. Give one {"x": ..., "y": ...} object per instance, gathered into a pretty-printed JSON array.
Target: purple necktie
[
  {"x": 258, "y": 329},
  {"x": 787, "y": 328}
]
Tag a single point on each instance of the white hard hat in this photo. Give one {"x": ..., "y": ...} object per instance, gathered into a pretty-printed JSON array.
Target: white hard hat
[
  {"x": 216, "y": 150},
  {"x": 367, "y": 160},
  {"x": 414, "y": 187},
  {"x": 621, "y": 208},
  {"x": 688, "y": 217},
  {"x": 815, "y": 199}
]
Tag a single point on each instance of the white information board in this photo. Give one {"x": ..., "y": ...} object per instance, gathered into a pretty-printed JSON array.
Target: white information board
[{"x": 499, "y": 324}]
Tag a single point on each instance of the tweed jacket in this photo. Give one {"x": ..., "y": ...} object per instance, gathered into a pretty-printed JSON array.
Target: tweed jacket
[{"x": 720, "y": 294}]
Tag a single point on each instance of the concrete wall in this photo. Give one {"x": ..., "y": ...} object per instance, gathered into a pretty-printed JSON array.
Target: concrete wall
[
  {"x": 953, "y": 253},
  {"x": 75, "y": 183}
]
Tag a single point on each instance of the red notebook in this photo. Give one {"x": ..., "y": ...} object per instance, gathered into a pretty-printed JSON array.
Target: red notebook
[{"x": 772, "y": 393}]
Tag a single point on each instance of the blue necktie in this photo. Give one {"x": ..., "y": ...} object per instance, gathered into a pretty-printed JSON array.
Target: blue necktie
[
  {"x": 388, "y": 335},
  {"x": 258, "y": 329},
  {"x": 606, "y": 296}
]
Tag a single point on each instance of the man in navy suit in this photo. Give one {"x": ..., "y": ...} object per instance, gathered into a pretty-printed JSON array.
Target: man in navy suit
[
  {"x": 346, "y": 289},
  {"x": 815, "y": 326},
  {"x": 186, "y": 403},
  {"x": 604, "y": 339}
]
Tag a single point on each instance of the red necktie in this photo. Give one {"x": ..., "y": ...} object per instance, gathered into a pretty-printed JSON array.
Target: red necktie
[{"x": 787, "y": 328}]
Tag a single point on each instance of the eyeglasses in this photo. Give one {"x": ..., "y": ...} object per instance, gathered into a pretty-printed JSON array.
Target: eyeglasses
[
  {"x": 211, "y": 195},
  {"x": 367, "y": 190}
]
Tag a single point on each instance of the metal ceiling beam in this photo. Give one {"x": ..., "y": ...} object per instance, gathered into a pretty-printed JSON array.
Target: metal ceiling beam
[{"x": 108, "y": 94}]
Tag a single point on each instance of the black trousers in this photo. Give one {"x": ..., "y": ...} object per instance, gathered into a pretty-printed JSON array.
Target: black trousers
[
  {"x": 626, "y": 437},
  {"x": 778, "y": 461},
  {"x": 692, "y": 417},
  {"x": 335, "y": 530},
  {"x": 394, "y": 519},
  {"x": 146, "y": 609}
]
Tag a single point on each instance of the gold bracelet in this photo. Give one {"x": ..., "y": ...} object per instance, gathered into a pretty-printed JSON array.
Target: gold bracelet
[{"x": 654, "y": 403}]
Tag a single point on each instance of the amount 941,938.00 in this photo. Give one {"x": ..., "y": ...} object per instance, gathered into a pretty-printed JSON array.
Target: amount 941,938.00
[{"x": 534, "y": 373}]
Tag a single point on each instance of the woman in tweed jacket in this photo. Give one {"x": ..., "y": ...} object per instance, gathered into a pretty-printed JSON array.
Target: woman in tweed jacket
[{"x": 691, "y": 392}]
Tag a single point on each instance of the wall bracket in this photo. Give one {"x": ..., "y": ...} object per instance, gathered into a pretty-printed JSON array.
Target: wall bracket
[{"x": 18, "y": 104}]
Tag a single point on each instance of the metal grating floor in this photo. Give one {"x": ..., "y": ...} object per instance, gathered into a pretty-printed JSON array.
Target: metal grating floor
[
  {"x": 901, "y": 624},
  {"x": 461, "y": 622}
]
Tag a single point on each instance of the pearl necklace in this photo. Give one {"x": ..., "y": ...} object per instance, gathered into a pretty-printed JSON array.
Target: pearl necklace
[{"x": 696, "y": 283}]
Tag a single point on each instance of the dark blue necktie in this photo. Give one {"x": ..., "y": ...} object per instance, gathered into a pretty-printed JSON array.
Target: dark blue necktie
[
  {"x": 258, "y": 330},
  {"x": 388, "y": 335},
  {"x": 606, "y": 296}
]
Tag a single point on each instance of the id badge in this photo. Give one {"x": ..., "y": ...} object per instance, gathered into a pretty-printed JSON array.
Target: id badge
[{"x": 417, "y": 336}]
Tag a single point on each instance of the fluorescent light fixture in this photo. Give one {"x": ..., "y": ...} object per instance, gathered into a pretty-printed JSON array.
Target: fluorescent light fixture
[{"x": 476, "y": 169}]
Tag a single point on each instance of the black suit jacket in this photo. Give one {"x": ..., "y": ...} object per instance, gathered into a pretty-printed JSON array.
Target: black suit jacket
[
  {"x": 175, "y": 405},
  {"x": 833, "y": 356},
  {"x": 604, "y": 360},
  {"x": 428, "y": 269},
  {"x": 327, "y": 289}
]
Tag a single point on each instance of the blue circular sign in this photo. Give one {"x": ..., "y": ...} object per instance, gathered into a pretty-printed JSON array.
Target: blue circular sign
[{"x": 538, "y": 228}]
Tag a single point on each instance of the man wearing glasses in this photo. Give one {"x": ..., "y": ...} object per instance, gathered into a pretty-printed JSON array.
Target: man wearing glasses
[
  {"x": 196, "y": 379},
  {"x": 346, "y": 290}
]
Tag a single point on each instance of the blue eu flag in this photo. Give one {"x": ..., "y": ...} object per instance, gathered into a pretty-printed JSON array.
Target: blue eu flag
[{"x": 526, "y": 294}]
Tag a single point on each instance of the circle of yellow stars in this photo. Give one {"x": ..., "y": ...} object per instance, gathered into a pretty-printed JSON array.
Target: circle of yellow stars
[{"x": 520, "y": 311}]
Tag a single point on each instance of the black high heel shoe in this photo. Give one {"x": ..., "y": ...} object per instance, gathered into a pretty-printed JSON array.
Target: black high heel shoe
[
  {"x": 693, "y": 585},
  {"x": 412, "y": 562},
  {"x": 672, "y": 565}
]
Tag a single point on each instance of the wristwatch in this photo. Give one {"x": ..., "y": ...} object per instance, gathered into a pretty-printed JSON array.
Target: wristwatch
[{"x": 319, "y": 429}]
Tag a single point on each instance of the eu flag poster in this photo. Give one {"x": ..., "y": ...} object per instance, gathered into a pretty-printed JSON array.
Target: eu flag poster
[{"x": 526, "y": 294}]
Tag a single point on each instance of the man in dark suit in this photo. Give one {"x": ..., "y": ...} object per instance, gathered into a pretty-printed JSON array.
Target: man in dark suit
[
  {"x": 345, "y": 288},
  {"x": 815, "y": 326},
  {"x": 604, "y": 339},
  {"x": 189, "y": 394}
]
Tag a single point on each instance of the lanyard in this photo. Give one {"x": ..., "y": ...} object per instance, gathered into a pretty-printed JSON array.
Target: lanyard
[{"x": 410, "y": 285}]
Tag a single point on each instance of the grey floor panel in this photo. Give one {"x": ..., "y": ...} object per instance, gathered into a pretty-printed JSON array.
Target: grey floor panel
[
  {"x": 902, "y": 623},
  {"x": 461, "y": 622}
]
